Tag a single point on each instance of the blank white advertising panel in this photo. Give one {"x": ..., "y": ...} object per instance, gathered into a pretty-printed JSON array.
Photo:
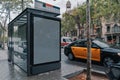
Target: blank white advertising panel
[{"x": 46, "y": 40}]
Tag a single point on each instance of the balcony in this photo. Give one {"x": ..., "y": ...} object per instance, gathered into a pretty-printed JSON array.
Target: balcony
[{"x": 113, "y": 30}]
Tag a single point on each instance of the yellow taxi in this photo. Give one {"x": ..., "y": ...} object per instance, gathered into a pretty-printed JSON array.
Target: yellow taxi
[{"x": 100, "y": 51}]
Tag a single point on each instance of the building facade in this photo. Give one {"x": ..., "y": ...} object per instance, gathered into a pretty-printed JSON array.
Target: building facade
[{"x": 113, "y": 33}]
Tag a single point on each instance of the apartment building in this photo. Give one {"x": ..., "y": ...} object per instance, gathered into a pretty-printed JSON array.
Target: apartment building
[{"x": 112, "y": 33}]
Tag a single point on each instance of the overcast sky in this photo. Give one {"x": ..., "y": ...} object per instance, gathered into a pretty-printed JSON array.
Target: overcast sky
[
  {"x": 62, "y": 3},
  {"x": 59, "y": 3}
]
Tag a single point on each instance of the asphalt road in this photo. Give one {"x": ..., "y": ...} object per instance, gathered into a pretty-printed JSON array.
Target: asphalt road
[{"x": 81, "y": 63}]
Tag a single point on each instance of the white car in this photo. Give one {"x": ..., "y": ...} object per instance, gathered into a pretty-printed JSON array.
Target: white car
[{"x": 65, "y": 41}]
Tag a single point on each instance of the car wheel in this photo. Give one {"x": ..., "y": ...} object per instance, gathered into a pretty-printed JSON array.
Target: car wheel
[
  {"x": 70, "y": 56},
  {"x": 107, "y": 61}
]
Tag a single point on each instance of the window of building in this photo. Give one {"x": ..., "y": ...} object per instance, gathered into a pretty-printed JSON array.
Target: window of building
[{"x": 108, "y": 28}]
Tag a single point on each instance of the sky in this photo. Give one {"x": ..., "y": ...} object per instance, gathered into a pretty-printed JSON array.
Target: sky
[
  {"x": 62, "y": 3},
  {"x": 59, "y": 3}
]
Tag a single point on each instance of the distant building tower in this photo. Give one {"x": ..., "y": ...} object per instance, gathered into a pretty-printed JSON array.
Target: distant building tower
[{"x": 68, "y": 6}]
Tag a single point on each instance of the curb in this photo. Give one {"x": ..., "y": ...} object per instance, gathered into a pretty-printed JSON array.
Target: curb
[{"x": 78, "y": 72}]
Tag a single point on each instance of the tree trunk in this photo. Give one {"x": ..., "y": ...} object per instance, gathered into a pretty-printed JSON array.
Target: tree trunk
[{"x": 88, "y": 41}]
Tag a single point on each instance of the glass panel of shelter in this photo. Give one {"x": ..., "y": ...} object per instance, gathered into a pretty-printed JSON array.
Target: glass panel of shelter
[{"x": 20, "y": 43}]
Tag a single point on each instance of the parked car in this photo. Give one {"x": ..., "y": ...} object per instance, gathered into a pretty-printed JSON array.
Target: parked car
[
  {"x": 101, "y": 51},
  {"x": 65, "y": 41}
]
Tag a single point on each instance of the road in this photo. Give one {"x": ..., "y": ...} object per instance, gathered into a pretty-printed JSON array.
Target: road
[{"x": 80, "y": 64}]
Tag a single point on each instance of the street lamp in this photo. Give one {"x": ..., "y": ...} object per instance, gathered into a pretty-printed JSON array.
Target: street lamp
[
  {"x": 77, "y": 18},
  {"x": 68, "y": 6}
]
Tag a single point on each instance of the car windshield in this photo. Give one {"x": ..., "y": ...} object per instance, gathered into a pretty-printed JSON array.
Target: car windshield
[{"x": 101, "y": 44}]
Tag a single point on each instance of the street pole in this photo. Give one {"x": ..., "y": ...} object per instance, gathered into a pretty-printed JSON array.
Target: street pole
[{"x": 88, "y": 40}]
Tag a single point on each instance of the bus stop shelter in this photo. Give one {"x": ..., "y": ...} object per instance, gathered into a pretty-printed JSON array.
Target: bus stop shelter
[{"x": 34, "y": 37}]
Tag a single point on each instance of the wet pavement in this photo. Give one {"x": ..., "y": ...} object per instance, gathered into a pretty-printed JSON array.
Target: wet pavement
[{"x": 12, "y": 72}]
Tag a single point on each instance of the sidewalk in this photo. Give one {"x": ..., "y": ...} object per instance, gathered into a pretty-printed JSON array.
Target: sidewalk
[
  {"x": 10, "y": 72},
  {"x": 3, "y": 54}
]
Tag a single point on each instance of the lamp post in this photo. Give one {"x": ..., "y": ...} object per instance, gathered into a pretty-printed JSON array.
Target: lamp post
[
  {"x": 68, "y": 6},
  {"x": 77, "y": 18}
]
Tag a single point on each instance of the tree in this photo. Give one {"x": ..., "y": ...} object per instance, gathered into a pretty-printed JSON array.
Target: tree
[
  {"x": 14, "y": 5},
  {"x": 107, "y": 9},
  {"x": 68, "y": 23},
  {"x": 10, "y": 6},
  {"x": 74, "y": 17},
  {"x": 102, "y": 11},
  {"x": 0, "y": 32},
  {"x": 80, "y": 18}
]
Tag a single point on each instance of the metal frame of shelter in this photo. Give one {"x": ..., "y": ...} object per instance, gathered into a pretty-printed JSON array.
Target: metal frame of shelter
[{"x": 26, "y": 18}]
